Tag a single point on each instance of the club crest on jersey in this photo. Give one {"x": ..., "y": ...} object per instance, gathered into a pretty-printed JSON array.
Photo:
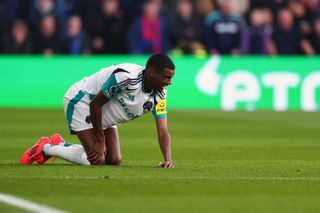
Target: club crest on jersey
[
  {"x": 147, "y": 106},
  {"x": 111, "y": 91}
]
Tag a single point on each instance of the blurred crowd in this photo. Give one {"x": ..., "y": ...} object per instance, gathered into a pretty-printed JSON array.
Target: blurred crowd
[{"x": 198, "y": 27}]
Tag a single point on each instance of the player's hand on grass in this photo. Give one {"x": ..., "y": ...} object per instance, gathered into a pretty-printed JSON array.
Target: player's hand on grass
[
  {"x": 166, "y": 164},
  {"x": 96, "y": 155}
]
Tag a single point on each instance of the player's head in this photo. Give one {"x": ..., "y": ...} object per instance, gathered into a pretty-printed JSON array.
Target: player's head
[
  {"x": 160, "y": 69},
  {"x": 159, "y": 62}
]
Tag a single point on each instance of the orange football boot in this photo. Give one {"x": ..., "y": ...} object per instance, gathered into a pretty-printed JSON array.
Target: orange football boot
[
  {"x": 55, "y": 139},
  {"x": 35, "y": 153}
]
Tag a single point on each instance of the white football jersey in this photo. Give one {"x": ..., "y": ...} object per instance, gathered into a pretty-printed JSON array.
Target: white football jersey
[{"x": 123, "y": 86}]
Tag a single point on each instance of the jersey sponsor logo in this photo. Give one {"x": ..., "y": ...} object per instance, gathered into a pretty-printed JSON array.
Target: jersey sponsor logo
[
  {"x": 131, "y": 97},
  {"x": 161, "y": 107},
  {"x": 126, "y": 109},
  {"x": 147, "y": 106}
]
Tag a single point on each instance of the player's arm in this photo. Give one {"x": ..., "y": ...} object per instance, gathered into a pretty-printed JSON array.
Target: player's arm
[
  {"x": 160, "y": 113},
  {"x": 108, "y": 90},
  {"x": 96, "y": 118},
  {"x": 96, "y": 114},
  {"x": 164, "y": 139}
]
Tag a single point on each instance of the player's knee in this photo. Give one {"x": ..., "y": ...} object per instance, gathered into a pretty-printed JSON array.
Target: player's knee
[{"x": 114, "y": 161}]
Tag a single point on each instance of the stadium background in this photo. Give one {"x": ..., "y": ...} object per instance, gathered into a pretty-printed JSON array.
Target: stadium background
[
  {"x": 227, "y": 159},
  {"x": 104, "y": 32}
]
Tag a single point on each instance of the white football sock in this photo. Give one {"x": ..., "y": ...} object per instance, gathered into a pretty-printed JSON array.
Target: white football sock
[{"x": 73, "y": 153}]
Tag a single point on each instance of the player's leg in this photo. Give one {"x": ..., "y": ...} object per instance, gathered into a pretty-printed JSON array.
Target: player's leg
[
  {"x": 73, "y": 153},
  {"x": 87, "y": 139},
  {"x": 76, "y": 153},
  {"x": 56, "y": 146},
  {"x": 76, "y": 112},
  {"x": 113, "y": 156}
]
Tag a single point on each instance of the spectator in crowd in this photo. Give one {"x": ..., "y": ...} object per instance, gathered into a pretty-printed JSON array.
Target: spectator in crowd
[
  {"x": 77, "y": 41},
  {"x": 239, "y": 7},
  {"x": 47, "y": 41},
  {"x": 223, "y": 30},
  {"x": 273, "y": 5},
  {"x": 148, "y": 33},
  {"x": 18, "y": 42},
  {"x": 257, "y": 36},
  {"x": 126, "y": 26},
  {"x": 311, "y": 7},
  {"x": 109, "y": 29},
  {"x": 316, "y": 36},
  {"x": 287, "y": 39},
  {"x": 306, "y": 38},
  {"x": 268, "y": 17},
  {"x": 64, "y": 9},
  {"x": 303, "y": 20},
  {"x": 186, "y": 28},
  {"x": 299, "y": 11},
  {"x": 204, "y": 7},
  {"x": 44, "y": 8}
]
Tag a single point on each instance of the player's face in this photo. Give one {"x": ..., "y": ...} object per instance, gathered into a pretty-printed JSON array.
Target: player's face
[{"x": 163, "y": 79}]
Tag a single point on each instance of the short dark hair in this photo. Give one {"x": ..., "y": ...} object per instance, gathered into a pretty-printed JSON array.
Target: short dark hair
[{"x": 159, "y": 62}]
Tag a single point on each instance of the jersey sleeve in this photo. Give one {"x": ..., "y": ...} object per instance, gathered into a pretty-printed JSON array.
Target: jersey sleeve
[
  {"x": 114, "y": 84},
  {"x": 160, "y": 106}
]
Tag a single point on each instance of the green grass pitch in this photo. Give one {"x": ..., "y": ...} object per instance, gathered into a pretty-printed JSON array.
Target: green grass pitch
[{"x": 225, "y": 162}]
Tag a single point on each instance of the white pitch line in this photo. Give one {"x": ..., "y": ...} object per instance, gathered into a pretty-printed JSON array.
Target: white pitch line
[{"x": 27, "y": 205}]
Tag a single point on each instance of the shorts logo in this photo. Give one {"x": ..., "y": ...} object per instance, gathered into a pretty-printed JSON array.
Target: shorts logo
[
  {"x": 88, "y": 119},
  {"x": 161, "y": 107},
  {"x": 147, "y": 106}
]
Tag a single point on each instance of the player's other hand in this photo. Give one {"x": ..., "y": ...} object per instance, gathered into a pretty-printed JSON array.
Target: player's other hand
[
  {"x": 96, "y": 156},
  {"x": 166, "y": 164}
]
